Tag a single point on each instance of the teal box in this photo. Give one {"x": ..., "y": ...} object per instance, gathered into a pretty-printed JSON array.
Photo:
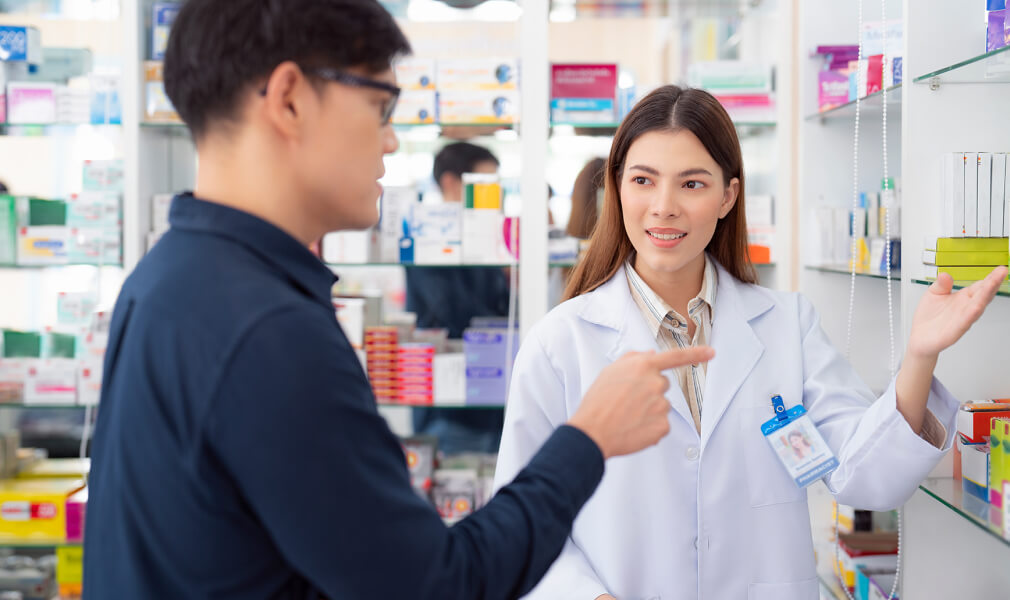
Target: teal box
[{"x": 8, "y": 230}]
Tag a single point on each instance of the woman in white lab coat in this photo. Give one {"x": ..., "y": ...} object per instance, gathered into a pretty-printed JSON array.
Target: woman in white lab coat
[{"x": 711, "y": 512}]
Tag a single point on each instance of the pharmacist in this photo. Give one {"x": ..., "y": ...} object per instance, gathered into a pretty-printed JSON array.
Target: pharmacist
[
  {"x": 717, "y": 510},
  {"x": 239, "y": 452}
]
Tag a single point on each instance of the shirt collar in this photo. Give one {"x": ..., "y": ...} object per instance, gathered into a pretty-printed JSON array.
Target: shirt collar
[
  {"x": 658, "y": 309},
  {"x": 269, "y": 242}
]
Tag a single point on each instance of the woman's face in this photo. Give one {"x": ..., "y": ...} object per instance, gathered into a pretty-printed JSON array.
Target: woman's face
[
  {"x": 796, "y": 441},
  {"x": 672, "y": 195}
]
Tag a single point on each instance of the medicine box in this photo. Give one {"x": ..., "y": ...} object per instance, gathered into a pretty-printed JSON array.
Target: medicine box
[
  {"x": 103, "y": 176},
  {"x": 477, "y": 74},
  {"x": 163, "y": 15},
  {"x": 584, "y": 93},
  {"x": 416, "y": 107},
  {"x": 42, "y": 245},
  {"x": 8, "y": 230},
  {"x": 94, "y": 209},
  {"x": 483, "y": 107},
  {"x": 415, "y": 74},
  {"x": 31, "y": 103},
  {"x": 35, "y": 509},
  {"x": 973, "y": 420},
  {"x": 20, "y": 44},
  {"x": 874, "y": 550},
  {"x": 975, "y": 468},
  {"x": 51, "y": 381}
]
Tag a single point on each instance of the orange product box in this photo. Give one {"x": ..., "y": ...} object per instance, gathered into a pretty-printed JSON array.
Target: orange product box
[{"x": 974, "y": 418}]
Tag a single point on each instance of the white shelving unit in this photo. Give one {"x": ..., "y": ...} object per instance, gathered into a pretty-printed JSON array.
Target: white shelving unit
[{"x": 951, "y": 99}]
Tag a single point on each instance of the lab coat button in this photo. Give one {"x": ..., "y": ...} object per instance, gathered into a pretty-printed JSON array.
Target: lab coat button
[
  {"x": 692, "y": 453},
  {"x": 695, "y": 543}
]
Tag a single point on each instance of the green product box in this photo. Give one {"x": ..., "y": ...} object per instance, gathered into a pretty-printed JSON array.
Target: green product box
[
  {"x": 996, "y": 460},
  {"x": 8, "y": 230},
  {"x": 41, "y": 213},
  {"x": 60, "y": 345},
  {"x": 21, "y": 344}
]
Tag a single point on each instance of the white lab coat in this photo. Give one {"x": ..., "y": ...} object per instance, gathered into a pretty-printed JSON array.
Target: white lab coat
[{"x": 714, "y": 517}]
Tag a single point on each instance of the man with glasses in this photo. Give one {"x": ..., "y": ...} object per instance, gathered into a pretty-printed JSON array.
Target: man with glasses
[{"x": 238, "y": 451}]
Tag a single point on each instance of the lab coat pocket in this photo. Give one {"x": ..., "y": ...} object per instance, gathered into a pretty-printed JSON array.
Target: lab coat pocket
[
  {"x": 768, "y": 482},
  {"x": 800, "y": 590}
]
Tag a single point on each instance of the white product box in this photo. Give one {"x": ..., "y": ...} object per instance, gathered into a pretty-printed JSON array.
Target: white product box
[
  {"x": 103, "y": 176},
  {"x": 347, "y": 247},
  {"x": 998, "y": 195},
  {"x": 31, "y": 103},
  {"x": 95, "y": 245},
  {"x": 395, "y": 209},
  {"x": 480, "y": 107},
  {"x": 477, "y": 74},
  {"x": 960, "y": 168},
  {"x": 75, "y": 308},
  {"x": 73, "y": 105},
  {"x": 984, "y": 193},
  {"x": 484, "y": 237},
  {"x": 760, "y": 211},
  {"x": 161, "y": 205},
  {"x": 437, "y": 232},
  {"x": 89, "y": 381},
  {"x": 449, "y": 379},
  {"x": 947, "y": 204},
  {"x": 416, "y": 107},
  {"x": 51, "y": 381},
  {"x": 971, "y": 163},
  {"x": 415, "y": 74},
  {"x": 93, "y": 209},
  {"x": 351, "y": 317},
  {"x": 43, "y": 245}
]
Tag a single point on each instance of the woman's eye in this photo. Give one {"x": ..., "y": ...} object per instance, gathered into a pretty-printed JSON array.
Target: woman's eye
[
  {"x": 641, "y": 180},
  {"x": 694, "y": 185}
]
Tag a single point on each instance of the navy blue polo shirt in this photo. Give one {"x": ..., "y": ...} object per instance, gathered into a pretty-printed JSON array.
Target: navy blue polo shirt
[{"x": 239, "y": 453}]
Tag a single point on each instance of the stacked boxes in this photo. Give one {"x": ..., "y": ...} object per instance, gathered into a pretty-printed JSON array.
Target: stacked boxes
[
  {"x": 382, "y": 362},
  {"x": 462, "y": 91},
  {"x": 415, "y": 374},
  {"x": 964, "y": 259},
  {"x": 487, "y": 364},
  {"x": 975, "y": 195}
]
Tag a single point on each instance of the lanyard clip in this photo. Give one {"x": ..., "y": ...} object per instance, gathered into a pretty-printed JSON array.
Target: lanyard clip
[{"x": 780, "y": 408}]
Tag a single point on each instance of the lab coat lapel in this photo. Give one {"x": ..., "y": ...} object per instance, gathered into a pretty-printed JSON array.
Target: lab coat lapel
[
  {"x": 737, "y": 347},
  {"x": 612, "y": 306}
]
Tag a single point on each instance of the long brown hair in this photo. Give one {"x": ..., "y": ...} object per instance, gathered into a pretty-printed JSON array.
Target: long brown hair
[
  {"x": 670, "y": 109},
  {"x": 584, "y": 210}
]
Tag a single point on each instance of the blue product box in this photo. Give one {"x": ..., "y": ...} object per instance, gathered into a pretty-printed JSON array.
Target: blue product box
[
  {"x": 162, "y": 17},
  {"x": 487, "y": 375},
  {"x": 20, "y": 44}
]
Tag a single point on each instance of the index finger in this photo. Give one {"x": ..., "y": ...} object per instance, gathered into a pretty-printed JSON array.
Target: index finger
[{"x": 680, "y": 357}]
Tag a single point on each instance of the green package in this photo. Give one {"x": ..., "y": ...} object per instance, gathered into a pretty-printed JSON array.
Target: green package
[
  {"x": 996, "y": 462},
  {"x": 21, "y": 344},
  {"x": 8, "y": 230}
]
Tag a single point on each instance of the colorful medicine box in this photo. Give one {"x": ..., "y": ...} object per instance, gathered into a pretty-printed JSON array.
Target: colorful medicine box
[
  {"x": 35, "y": 509},
  {"x": 871, "y": 550},
  {"x": 974, "y": 419},
  {"x": 584, "y": 93},
  {"x": 477, "y": 74},
  {"x": 20, "y": 44},
  {"x": 163, "y": 15}
]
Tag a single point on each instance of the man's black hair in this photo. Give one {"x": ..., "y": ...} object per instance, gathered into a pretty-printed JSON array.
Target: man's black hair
[
  {"x": 459, "y": 158},
  {"x": 221, "y": 49}
]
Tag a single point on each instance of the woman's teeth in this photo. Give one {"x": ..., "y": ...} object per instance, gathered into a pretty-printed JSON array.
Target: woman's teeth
[{"x": 666, "y": 236}]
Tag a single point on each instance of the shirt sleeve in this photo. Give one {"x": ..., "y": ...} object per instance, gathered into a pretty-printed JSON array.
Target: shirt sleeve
[{"x": 295, "y": 424}]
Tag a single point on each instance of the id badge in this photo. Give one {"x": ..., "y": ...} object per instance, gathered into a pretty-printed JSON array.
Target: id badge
[{"x": 798, "y": 445}]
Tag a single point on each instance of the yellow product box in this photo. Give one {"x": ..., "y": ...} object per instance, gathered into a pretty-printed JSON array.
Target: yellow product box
[
  {"x": 480, "y": 107},
  {"x": 35, "y": 509},
  {"x": 70, "y": 571}
]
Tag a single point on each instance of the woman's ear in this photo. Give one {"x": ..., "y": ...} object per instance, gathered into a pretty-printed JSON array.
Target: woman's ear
[{"x": 729, "y": 197}]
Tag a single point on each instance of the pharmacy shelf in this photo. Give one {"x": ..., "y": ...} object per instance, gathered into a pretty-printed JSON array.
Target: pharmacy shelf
[
  {"x": 553, "y": 265},
  {"x": 950, "y": 493},
  {"x": 1004, "y": 289},
  {"x": 872, "y": 102},
  {"x": 21, "y": 406},
  {"x": 9, "y": 266},
  {"x": 12, "y": 542},
  {"x": 991, "y": 67},
  {"x": 35, "y": 129},
  {"x": 830, "y": 588},
  {"x": 447, "y": 406},
  {"x": 844, "y": 270}
]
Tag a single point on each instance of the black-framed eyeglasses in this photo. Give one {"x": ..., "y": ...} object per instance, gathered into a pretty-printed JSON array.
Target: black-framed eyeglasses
[{"x": 338, "y": 76}]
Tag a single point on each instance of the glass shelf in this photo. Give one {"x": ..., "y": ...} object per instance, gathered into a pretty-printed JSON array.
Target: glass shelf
[
  {"x": 8, "y": 266},
  {"x": 844, "y": 270},
  {"x": 19, "y": 406},
  {"x": 991, "y": 67},
  {"x": 162, "y": 125},
  {"x": 950, "y": 493},
  {"x": 10, "y": 542},
  {"x": 873, "y": 101},
  {"x": 553, "y": 265},
  {"x": 447, "y": 406},
  {"x": 830, "y": 588},
  {"x": 43, "y": 129},
  {"x": 1004, "y": 289}
]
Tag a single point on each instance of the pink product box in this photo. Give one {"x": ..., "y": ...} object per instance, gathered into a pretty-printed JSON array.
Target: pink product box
[
  {"x": 832, "y": 89},
  {"x": 76, "y": 505}
]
